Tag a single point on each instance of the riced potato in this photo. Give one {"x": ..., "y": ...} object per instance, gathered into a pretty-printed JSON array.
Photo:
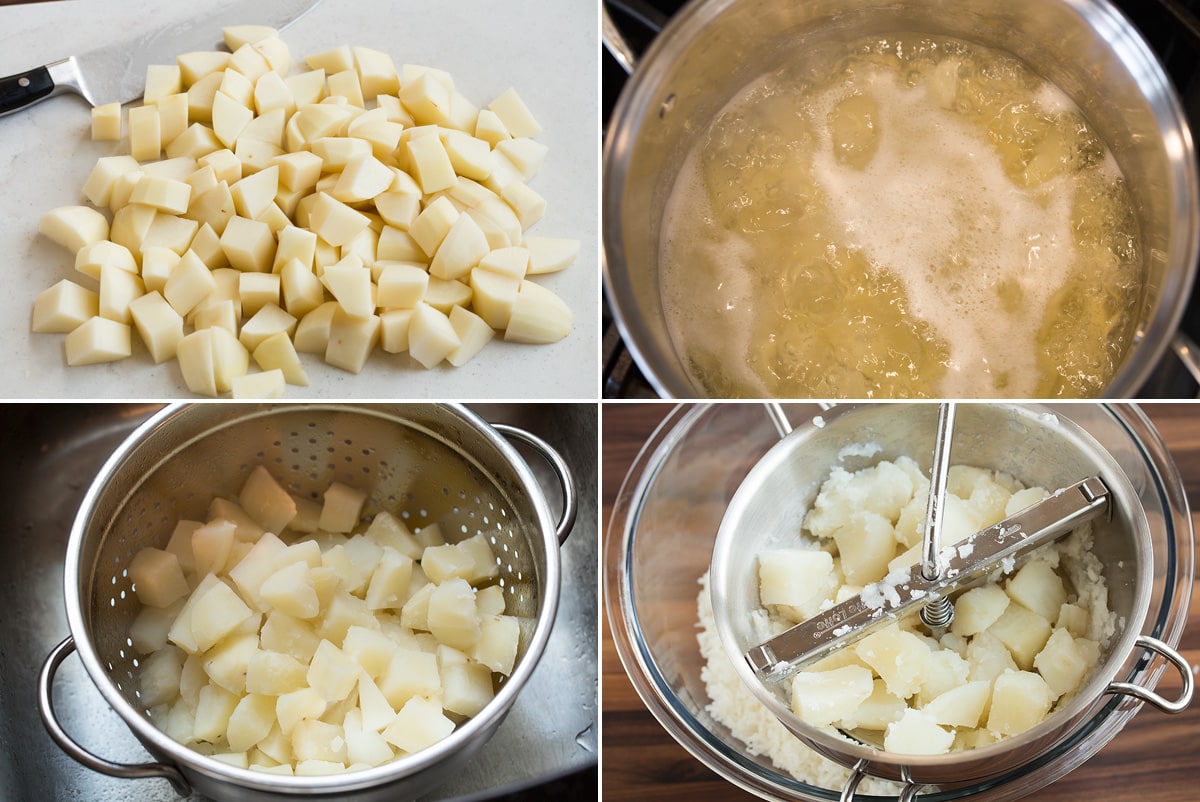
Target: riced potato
[
  {"x": 296, "y": 637},
  {"x": 1018, "y": 646}
]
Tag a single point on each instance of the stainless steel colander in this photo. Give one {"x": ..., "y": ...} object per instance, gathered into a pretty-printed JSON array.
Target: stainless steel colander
[
  {"x": 1034, "y": 444},
  {"x": 424, "y": 463}
]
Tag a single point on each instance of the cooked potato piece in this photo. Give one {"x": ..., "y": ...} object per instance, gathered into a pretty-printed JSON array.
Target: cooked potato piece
[
  {"x": 916, "y": 733},
  {"x": 1020, "y": 700},
  {"x": 823, "y": 697}
]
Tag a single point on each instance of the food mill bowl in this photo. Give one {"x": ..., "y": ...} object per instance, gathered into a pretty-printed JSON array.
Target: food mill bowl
[
  {"x": 660, "y": 540},
  {"x": 424, "y": 463}
]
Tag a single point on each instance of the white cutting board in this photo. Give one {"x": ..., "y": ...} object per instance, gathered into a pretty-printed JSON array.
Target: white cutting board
[{"x": 546, "y": 49}]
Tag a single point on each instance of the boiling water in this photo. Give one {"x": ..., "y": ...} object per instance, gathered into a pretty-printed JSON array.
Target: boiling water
[{"x": 927, "y": 218}]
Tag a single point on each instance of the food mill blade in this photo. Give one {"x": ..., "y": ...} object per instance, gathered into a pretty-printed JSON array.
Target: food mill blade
[{"x": 885, "y": 601}]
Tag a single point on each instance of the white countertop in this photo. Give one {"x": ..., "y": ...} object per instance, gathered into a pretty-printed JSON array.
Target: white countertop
[{"x": 546, "y": 49}]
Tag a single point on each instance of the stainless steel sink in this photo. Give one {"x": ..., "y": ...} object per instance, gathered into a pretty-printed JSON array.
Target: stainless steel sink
[{"x": 50, "y": 454}]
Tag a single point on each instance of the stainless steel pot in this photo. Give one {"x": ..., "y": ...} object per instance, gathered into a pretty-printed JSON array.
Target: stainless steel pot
[
  {"x": 431, "y": 463},
  {"x": 1031, "y": 443},
  {"x": 714, "y": 48}
]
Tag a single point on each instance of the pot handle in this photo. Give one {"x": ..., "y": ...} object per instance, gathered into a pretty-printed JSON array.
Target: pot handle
[
  {"x": 1176, "y": 659},
  {"x": 566, "y": 480},
  {"x": 68, "y": 745},
  {"x": 615, "y": 42}
]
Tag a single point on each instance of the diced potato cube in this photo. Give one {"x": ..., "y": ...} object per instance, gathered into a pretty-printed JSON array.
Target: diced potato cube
[
  {"x": 452, "y": 617},
  {"x": 211, "y": 545},
  {"x": 74, "y": 226},
  {"x": 293, "y": 707},
  {"x": 1074, "y": 619},
  {"x": 98, "y": 340},
  {"x": 1039, "y": 588},
  {"x": 490, "y": 601},
  {"x": 499, "y": 637},
  {"x": 945, "y": 670},
  {"x": 1023, "y": 631},
  {"x": 514, "y": 114},
  {"x": 444, "y": 562},
  {"x": 420, "y": 723},
  {"x": 290, "y": 635},
  {"x": 291, "y": 591},
  {"x": 158, "y": 682},
  {"x": 342, "y": 509},
  {"x": 916, "y": 733},
  {"x": 466, "y": 688},
  {"x": 342, "y": 612},
  {"x": 900, "y": 658},
  {"x": 334, "y": 221},
  {"x": 415, "y": 613},
  {"x": 249, "y": 245},
  {"x": 251, "y": 721},
  {"x": 157, "y": 577},
  {"x": 64, "y": 307},
  {"x": 317, "y": 740},
  {"x": 866, "y": 544},
  {"x": 988, "y": 657},
  {"x": 549, "y": 255},
  {"x": 1065, "y": 661},
  {"x": 106, "y": 122},
  {"x": 274, "y": 673},
  {"x": 823, "y": 697},
  {"x": 473, "y": 334},
  {"x": 370, "y": 648},
  {"x": 1020, "y": 701},
  {"x": 388, "y": 588},
  {"x": 460, "y": 250},
  {"x": 962, "y": 706},
  {"x": 158, "y": 324},
  {"x": 215, "y": 612},
  {"x": 214, "y": 707},
  {"x": 145, "y": 133},
  {"x": 410, "y": 674},
  {"x": 246, "y": 528},
  {"x": 800, "y": 578},
  {"x": 226, "y": 663},
  {"x": 977, "y": 609},
  {"x": 259, "y": 563},
  {"x": 149, "y": 629},
  {"x": 877, "y": 711},
  {"x": 538, "y": 316},
  {"x": 332, "y": 673},
  {"x": 265, "y": 500}
]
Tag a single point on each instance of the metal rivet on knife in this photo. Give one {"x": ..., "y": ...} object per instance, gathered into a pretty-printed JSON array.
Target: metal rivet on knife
[{"x": 22, "y": 82}]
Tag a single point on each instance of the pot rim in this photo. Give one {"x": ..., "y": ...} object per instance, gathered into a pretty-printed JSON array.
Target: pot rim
[
  {"x": 190, "y": 761},
  {"x": 633, "y": 106}
]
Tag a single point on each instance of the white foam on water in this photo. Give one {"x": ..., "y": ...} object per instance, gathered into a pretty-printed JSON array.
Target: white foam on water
[{"x": 935, "y": 207}]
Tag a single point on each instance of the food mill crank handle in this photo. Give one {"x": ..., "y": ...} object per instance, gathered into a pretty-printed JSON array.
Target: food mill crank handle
[{"x": 988, "y": 549}]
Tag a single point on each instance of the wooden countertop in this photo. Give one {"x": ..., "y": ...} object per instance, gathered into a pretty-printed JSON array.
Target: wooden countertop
[{"x": 1155, "y": 758}]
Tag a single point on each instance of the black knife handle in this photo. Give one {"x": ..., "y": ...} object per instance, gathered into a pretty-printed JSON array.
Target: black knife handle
[{"x": 23, "y": 89}]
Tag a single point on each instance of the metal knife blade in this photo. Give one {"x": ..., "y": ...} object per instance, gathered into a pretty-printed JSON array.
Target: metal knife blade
[{"x": 116, "y": 73}]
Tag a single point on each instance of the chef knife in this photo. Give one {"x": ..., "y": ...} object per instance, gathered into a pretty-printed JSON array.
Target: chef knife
[{"x": 116, "y": 73}]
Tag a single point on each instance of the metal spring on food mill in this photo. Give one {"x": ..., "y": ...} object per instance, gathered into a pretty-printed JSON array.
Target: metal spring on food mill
[{"x": 938, "y": 613}]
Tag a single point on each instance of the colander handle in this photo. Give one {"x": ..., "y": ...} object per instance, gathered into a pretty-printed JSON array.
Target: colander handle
[
  {"x": 68, "y": 745},
  {"x": 1176, "y": 659},
  {"x": 566, "y": 481}
]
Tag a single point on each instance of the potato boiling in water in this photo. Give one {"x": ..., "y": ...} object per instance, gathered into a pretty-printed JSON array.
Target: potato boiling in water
[{"x": 926, "y": 217}]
